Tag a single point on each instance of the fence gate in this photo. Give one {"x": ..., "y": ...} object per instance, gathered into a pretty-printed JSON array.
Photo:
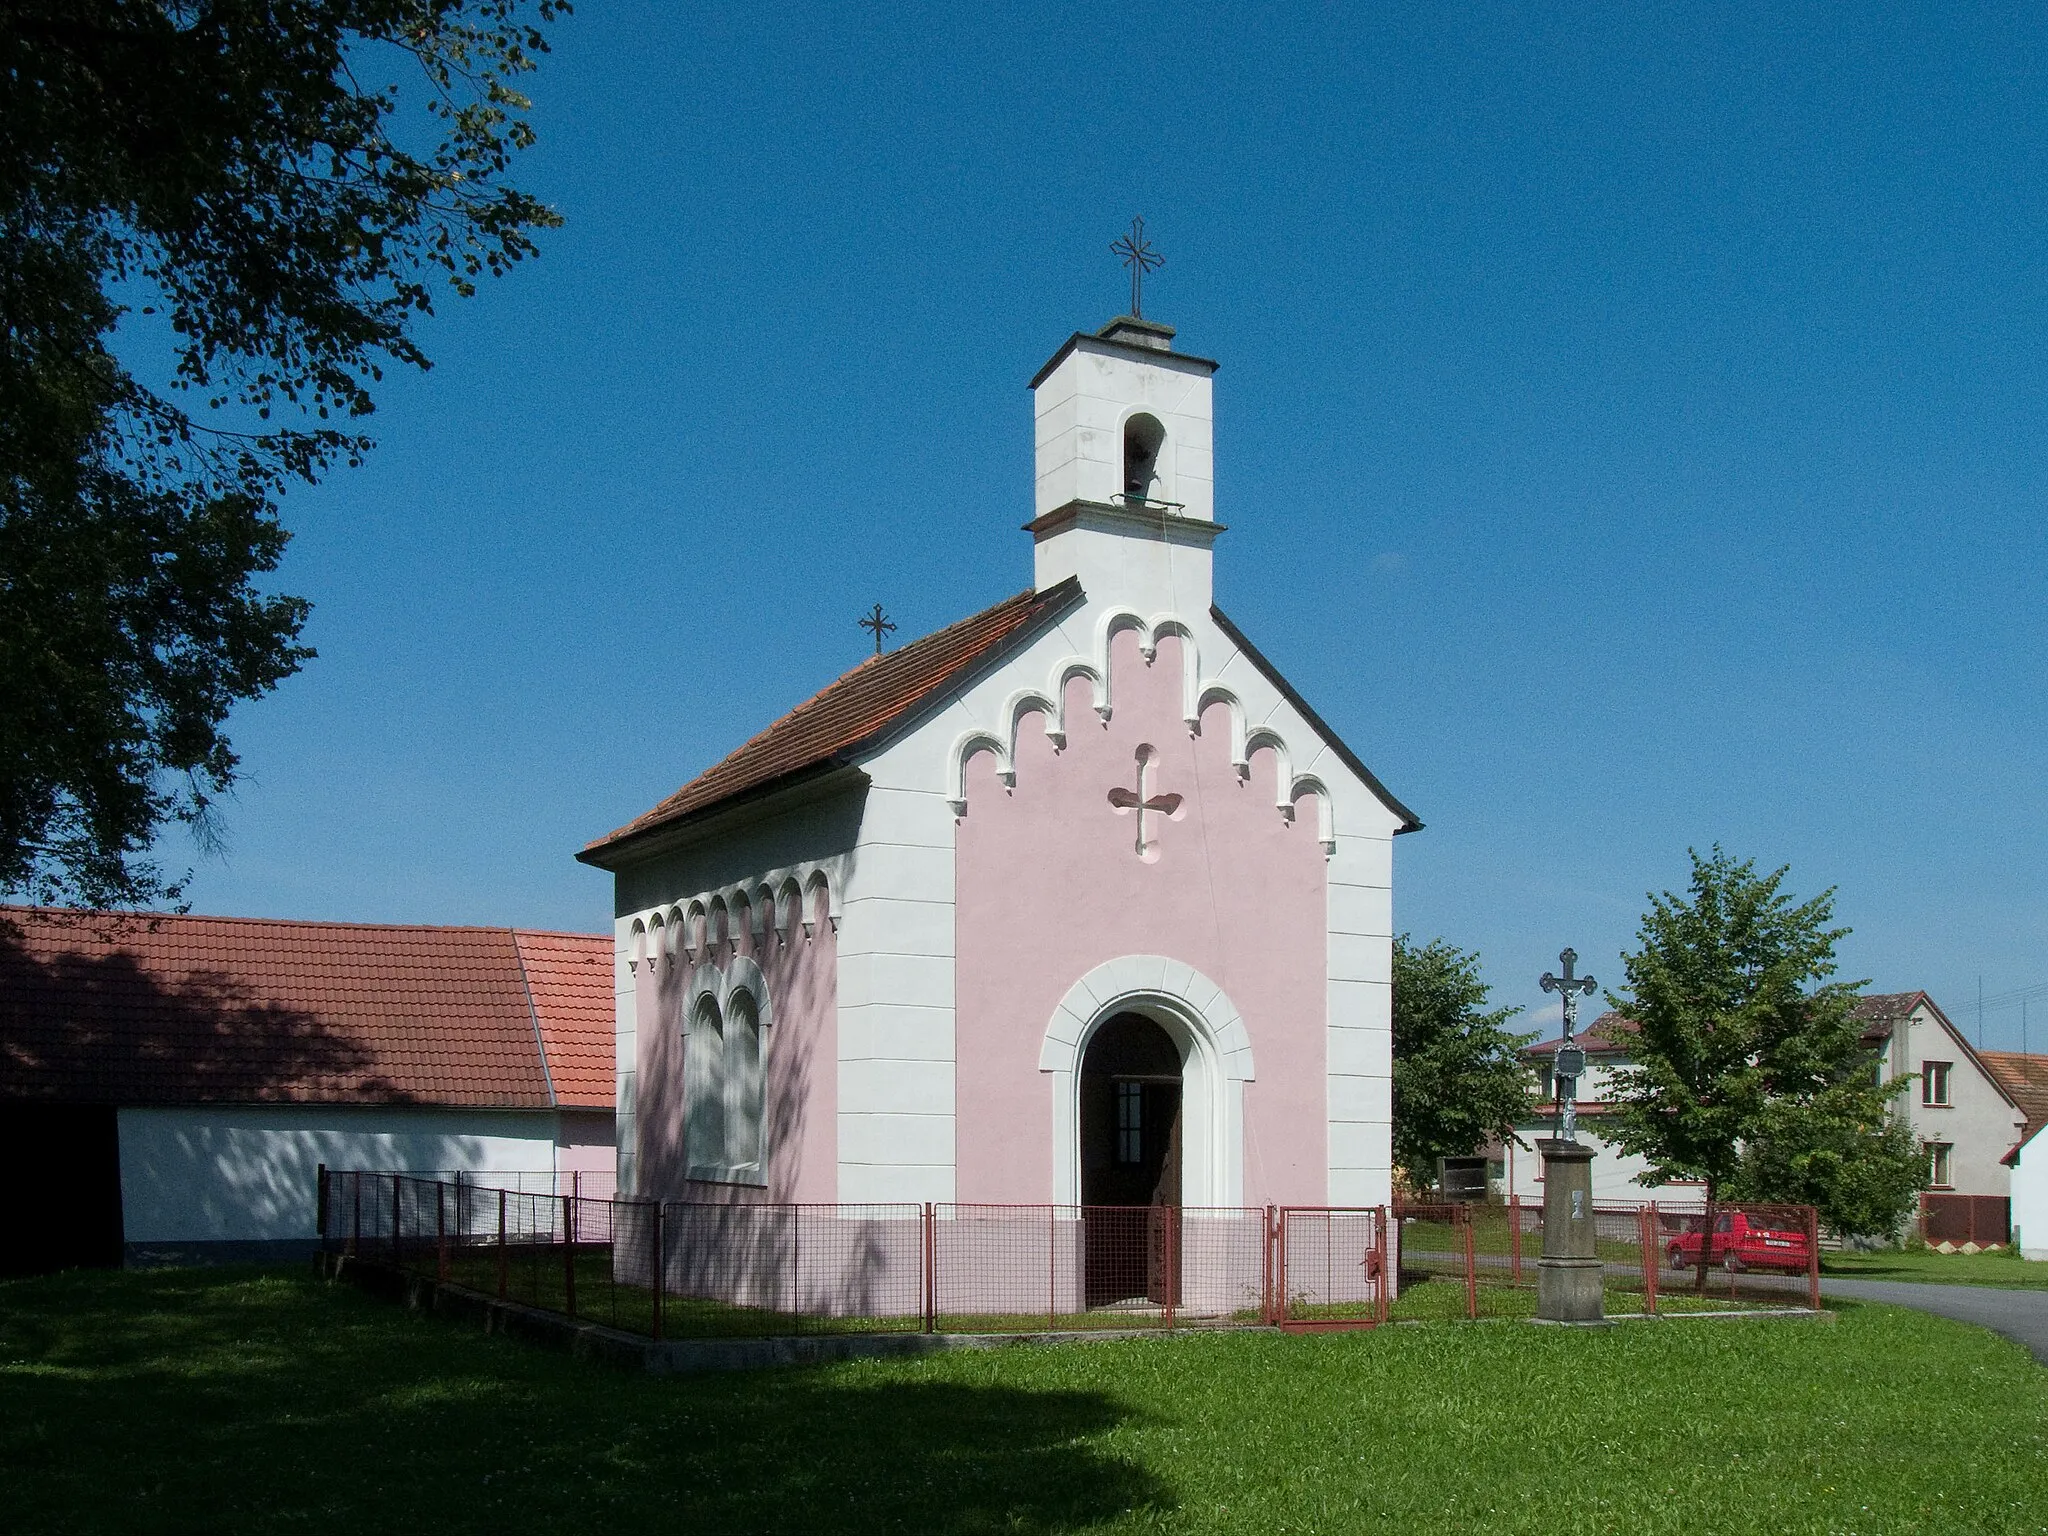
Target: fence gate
[{"x": 1330, "y": 1268}]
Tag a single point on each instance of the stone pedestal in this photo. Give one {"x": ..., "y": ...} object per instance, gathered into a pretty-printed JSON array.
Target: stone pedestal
[{"x": 1568, "y": 1274}]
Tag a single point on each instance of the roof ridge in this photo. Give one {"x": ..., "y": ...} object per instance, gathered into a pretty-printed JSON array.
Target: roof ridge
[
  {"x": 853, "y": 710},
  {"x": 908, "y": 648},
  {"x": 540, "y": 1039},
  {"x": 82, "y": 914}
]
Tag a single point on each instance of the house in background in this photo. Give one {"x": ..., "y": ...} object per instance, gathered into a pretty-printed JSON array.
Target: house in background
[
  {"x": 1616, "y": 1176},
  {"x": 1961, "y": 1112},
  {"x": 169, "y": 1085},
  {"x": 1960, "y": 1108}
]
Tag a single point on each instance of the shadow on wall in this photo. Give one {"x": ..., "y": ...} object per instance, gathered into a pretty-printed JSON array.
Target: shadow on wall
[
  {"x": 86, "y": 1030},
  {"x": 801, "y": 973},
  {"x": 773, "y": 1451}
]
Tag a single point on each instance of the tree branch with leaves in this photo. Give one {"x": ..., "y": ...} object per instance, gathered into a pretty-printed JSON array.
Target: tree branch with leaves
[
  {"x": 278, "y": 189},
  {"x": 1458, "y": 1073}
]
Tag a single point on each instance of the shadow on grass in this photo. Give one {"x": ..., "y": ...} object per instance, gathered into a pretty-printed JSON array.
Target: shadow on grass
[{"x": 184, "y": 1400}]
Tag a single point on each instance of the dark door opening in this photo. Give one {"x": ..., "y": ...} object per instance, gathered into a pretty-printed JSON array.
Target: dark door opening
[
  {"x": 64, "y": 1209},
  {"x": 1130, "y": 1161}
]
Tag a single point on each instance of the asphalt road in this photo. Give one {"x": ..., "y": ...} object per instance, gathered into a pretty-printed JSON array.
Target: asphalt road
[{"x": 2021, "y": 1316}]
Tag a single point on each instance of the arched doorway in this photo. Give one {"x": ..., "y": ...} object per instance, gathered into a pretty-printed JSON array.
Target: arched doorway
[{"x": 1130, "y": 1134}]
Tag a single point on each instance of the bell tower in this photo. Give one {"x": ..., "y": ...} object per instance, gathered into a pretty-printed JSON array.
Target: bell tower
[{"x": 1125, "y": 476}]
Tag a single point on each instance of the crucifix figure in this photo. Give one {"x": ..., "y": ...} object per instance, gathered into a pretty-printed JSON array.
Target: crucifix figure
[
  {"x": 1140, "y": 258},
  {"x": 1570, "y": 1060},
  {"x": 1144, "y": 804},
  {"x": 878, "y": 621}
]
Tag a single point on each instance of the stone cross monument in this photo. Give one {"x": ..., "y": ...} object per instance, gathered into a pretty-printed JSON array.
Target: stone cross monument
[{"x": 1568, "y": 1275}]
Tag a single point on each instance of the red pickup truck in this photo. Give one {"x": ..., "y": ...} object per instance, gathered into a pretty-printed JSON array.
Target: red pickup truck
[{"x": 1741, "y": 1244}]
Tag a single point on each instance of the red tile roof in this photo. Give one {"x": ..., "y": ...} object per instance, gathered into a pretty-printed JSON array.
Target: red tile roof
[
  {"x": 1606, "y": 1035},
  {"x": 2025, "y": 1081},
  {"x": 569, "y": 978},
  {"x": 155, "y": 1009},
  {"x": 856, "y": 709}
]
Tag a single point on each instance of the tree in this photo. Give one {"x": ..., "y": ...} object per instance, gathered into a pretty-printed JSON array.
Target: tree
[
  {"x": 1748, "y": 1069},
  {"x": 224, "y": 182},
  {"x": 1458, "y": 1074},
  {"x": 1863, "y": 1176}
]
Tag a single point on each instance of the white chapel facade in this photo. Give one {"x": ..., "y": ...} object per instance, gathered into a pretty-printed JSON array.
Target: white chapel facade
[{"x": 1075, "y": 901}]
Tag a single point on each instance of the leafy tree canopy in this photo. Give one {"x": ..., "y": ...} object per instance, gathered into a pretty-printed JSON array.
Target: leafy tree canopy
[
  {"x": 276, "y": 190},
  {"x": 1458, "y": 1077},
  {"x": 1748, "y": 1069}
]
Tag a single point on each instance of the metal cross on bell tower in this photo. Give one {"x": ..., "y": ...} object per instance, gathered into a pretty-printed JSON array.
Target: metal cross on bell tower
[
  {"x": 1138, "y": 255},
  {"x": 1570, "y": 1062}
]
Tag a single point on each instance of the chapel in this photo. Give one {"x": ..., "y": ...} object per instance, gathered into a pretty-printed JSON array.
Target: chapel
[{"x": 1075, "y": 902}]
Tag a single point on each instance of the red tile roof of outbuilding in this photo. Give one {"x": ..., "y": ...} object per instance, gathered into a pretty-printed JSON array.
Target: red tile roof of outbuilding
[
  {"x": 569, "y": 978},
  {"x": 848, "y": 713},
  {"x": 2025, "y": 1081},
  {"x": 148, "y": 1008}
]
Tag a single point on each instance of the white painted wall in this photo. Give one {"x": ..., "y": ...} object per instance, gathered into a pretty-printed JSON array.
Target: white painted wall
[
  {"x": 2030, "y": 1198},
  {"x": 1080, "y": 409},
  {"x": 234, "y": 1174}
]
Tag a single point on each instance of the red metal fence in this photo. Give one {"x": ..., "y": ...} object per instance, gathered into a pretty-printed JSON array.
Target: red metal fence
[
  {"x": 679, "y": 1269},
  {"x": 1980, "y": 1219}
]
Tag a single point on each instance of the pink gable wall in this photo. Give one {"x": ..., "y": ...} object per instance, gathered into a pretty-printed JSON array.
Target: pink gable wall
[
  {"x": 802, "y": 1049},
  {"x": 1049, "y": 886}
]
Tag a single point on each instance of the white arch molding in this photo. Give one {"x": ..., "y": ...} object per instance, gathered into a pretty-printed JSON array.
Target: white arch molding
[{"x": 1216, "y": 1063}]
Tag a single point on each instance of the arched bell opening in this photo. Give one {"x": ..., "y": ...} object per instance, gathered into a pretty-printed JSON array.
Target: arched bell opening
[{"x": 1144, "y": 438}]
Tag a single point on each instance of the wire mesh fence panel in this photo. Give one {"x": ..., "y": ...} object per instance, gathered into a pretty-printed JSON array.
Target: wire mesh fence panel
[
  {"x": 1754, "y": 1255},
  {"x": 1329, "y": 1267},
  {"x": 779, "y": 1269},
  {"x": 1225, "y": 1266},
  {"x": 687, "y": 1269},
  {"x": 1023, "y": 1268},
  {"x": 1434, "y": 1274}
]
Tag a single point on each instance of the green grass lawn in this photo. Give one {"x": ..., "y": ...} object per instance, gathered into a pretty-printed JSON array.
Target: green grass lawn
[
  {"x": 249, "y": 1402},
  {"x": 2004, "y": 1269}
]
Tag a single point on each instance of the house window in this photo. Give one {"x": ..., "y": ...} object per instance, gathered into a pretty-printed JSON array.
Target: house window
[
  {"x": 1546, "y": 1082},
  {"x": 723, "y": 1091},
  {"x": 1938, "y": 1169},
  {"x": 1130, "y": 1123},
  {"x": 1934, "y": 1084}
]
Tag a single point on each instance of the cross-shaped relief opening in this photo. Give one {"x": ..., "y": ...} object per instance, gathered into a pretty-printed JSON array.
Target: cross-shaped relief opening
[{"x": 1145, "y": 806}]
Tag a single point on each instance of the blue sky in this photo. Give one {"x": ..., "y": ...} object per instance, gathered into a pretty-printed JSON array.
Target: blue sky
[{"x": 1630, "y": 431}]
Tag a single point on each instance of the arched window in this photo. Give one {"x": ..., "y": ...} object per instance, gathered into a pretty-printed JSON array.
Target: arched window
[
  {"x": 1143, "y": 438},
  {"x": 704, "y": 1120},
  {"x": 742, "y": 1085},
  {"x": 723, "y": 1085}
]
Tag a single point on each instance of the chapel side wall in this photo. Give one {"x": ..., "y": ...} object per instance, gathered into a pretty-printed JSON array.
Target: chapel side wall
[
  {"x": 800, "y": 1050},
  {"x": 1049, "y": 886},
  {"x": 809, "y": 842}
]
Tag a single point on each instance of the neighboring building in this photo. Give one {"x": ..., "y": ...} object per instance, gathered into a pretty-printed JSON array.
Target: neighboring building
[
  {"x": 2025, "y": 1079},
  {"x": 169, "y": 1085},
  {"x": 1076, "y": 900},
  {"x": 1960, "y": 1110}
]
